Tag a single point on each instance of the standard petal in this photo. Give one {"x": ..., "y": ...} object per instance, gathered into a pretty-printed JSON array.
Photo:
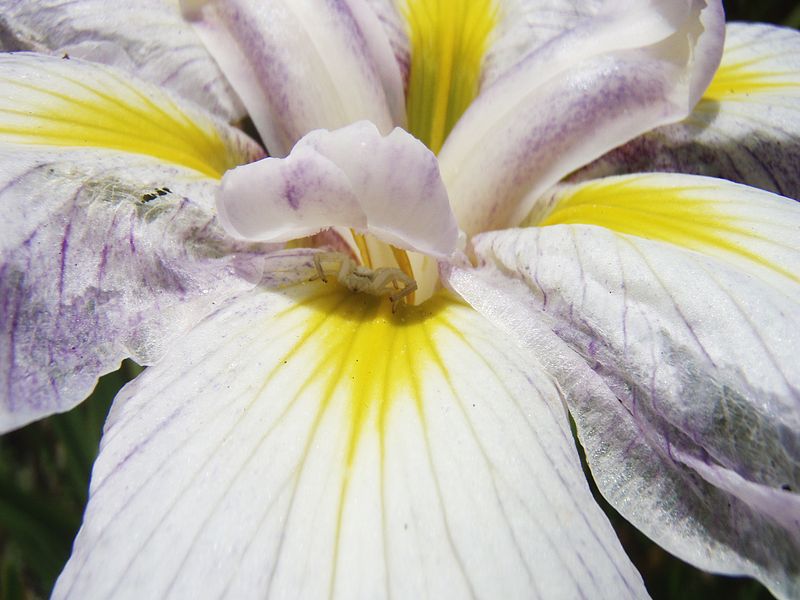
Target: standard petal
[
  {"x": 395, "y": 30},
  {"x": 301, "y": 65},
  {"x": 527, "y": 25},
  {"x": 53, "y": 102},
  {"x": 147, "y": 37},
  {"x": 607, "y": 80},
  {"x": 352, "y": 177},
  {"x": 683, "y": 377},
  {"x": 746, "y": 128},
  {"x": 103, "y": 256},
  {"x": 308, "y": 443}
]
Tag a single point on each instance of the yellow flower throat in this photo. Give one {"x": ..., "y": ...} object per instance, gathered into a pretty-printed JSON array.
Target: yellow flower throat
[{"x": 449, "y": 39}]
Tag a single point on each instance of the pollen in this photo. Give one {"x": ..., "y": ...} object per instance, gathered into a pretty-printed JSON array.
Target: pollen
[{"x": 449, "y": 39}]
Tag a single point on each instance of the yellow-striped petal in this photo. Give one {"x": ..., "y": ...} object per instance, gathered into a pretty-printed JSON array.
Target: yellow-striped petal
[
  {"x": 754, "y": 229},
  {"x": 48, "y": 101},
  {"x": 758, "y": 60},
  {"x": 681, "y": 370},
  {"x": 148, "y": 38},
  {"x": 448, "y": 41},
  {"x": 309, "y": 443}
]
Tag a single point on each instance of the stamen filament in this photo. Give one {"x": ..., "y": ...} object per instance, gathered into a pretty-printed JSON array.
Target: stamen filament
[
  {"x": 401, "y": 256},
  {"x": 363, "y": 249}
]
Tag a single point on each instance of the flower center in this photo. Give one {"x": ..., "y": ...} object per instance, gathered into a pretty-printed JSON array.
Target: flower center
[
  {"x": 367, "y": 359},
  {"x": 386, "y": 281},
  {"x": 449, "y": 39}
]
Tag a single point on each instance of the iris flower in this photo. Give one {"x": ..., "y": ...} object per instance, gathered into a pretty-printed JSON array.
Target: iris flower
[{"x": 477, "y": 219}]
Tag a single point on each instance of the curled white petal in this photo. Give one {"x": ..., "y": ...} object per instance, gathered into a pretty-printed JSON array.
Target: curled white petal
[
  {"x": 352, "y": 177},
  {"x": 745, "y": 129},
  {"x": 611, "y": 77}
]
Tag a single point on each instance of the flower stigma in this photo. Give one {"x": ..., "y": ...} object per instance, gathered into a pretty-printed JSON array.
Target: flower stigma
[
  {"x": 377, "y": 200},
  {"x": 449, "y": 39}
]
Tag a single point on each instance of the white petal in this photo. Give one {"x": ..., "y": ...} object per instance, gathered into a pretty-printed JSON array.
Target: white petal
[
  {"x": 381, "y": 44},
  {"x": 103, "y": 256},
  {"x": 309, "y": 443},
  {"x": 394, "y": 29},
  {"x": 147, "y": 37},
  {"x": 688, "y": 398},
  {"x": 527, "y": 25},
  {"x": 301, "y": 65},
  {"x": 352, "y": 177},
  {"x": 746, "y": 129},
  {"x": 103, "y": 253},
  {"x": 284, "y": 199},
  {"x": 607, "y": 80}
]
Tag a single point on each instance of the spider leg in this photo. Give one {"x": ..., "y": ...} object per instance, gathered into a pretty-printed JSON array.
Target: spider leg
[
  {"x": 382, "y": 279},
  {"x": 408, "y": 287},
  {"x": 346, "y": 266},
  {"x": 320, "y": 271},
  {"x": 327, "y": 257}
]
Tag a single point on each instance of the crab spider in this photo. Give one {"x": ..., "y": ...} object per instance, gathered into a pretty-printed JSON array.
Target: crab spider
[{"x": 358, "y": 278}]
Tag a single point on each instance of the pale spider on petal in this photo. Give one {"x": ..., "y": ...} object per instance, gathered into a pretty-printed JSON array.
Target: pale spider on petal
[{"x": 359, "y": 278}]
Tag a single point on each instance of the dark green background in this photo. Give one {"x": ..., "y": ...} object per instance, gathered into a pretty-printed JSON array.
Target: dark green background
[{"x": 44, "y": 472}]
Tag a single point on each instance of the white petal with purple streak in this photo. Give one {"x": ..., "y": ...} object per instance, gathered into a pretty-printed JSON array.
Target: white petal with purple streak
[
  {"x": 527, "y": 25},
  {"x": 104, "y": 256},
  {"x": 587, "y": 90},
  {"x": 699, "y": 510},
  {"x": 300, "y": 65},
  {"x": 352, "y": 177},
  {"x": 746, "y": 128}
]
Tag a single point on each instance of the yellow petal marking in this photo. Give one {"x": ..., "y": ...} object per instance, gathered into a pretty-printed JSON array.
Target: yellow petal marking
[
  {"x": 449, "y": 39},
  {"x": 736, "y": 79},
  {"x": 359, "y": 341},
  {"x": 684, "y": 216},
  {"x": 371, "y": 359},
  {"x": 81, "y": 107}
]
